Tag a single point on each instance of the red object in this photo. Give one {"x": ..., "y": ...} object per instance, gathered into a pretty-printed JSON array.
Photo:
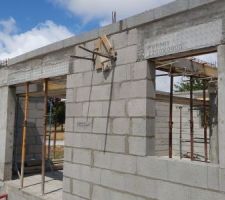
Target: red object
[{"x": 4, "y": 196}]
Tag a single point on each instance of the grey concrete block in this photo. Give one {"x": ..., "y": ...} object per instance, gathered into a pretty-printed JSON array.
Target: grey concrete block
[
  {"x": 99, "y": 125},
  {"x": 101, "y": 92},
  {"x": 141, "y": 146},
  {"x": 69, "y": 125},
  {"x": 68, "y": 196},
  {"x": 83, "y": 94},
  {"x": 121, "y": 125},
  {"x": 116, "y": 162},
  {"x": 67, "y": 184},
  {"x": 74, "y": 109},
  {"x": 152, "y": 167},
  {"x": 81, "y": 188},
  {"x": 213, "y": 174},
  {"x": 143, "y": 126},
  {"x": 81, "y": 65},
  {"x": 96, "y": 109},
  {"x": 137, "y": 107},
  {"x": 132, "y": 37},
  {"x": 83, "y": 140},
  {"x": 127, "y": 55},
  {"x": 68, "y": 153},
  {"x": 82, "y": 156},
  {"x": 129, "y": 183},
  {"x": 82, "y": 172},
  {"x": 122, "y": 73},
  {"x": 137, "y": 89},
  {"x": 118, "y": 108},
  {"x": 193, "y": 174},
  {"x": 115, "y": 144},
  {"x": 139, "y": 70},
  {"x": 119, "y": 40},
  {"x": 101, "y": 193}
]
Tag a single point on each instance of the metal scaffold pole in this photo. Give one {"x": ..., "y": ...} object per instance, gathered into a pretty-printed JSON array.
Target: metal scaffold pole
[
  {"x": 171, "y": 118},
  {"x": 205, "y": 121},
  {"x": 26, "y": 104},
  {"x": 191, "y": 119}
]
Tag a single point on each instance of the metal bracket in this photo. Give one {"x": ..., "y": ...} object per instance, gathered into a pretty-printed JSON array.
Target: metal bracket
[{"x": 103, "y": 56}]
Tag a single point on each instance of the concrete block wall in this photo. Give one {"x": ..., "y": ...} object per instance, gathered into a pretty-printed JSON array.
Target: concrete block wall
[
  {"x": 7, "y": 113},
  {"x": 34, "y": 131},
  {"x": 128, "y": 119}
]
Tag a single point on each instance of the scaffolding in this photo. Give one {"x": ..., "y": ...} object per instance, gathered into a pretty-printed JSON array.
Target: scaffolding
[
  {"x": 194, "y": 69},
  {"x": 45, "y": 137}
]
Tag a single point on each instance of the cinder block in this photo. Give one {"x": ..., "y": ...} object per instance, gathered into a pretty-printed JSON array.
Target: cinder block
[
  {"x": 69, "y": 124},
  {"x": 122, "y": 73},
  {"x": 171, "y": 191},
  {"x": 73, "y": 80},
  {"x": 129, "y": 183},
  {"x": 132, "y": 37},
  {"x": 137, "y": 107},
  {"x": 81, "y": 188},
  {"x": 117, "y": 162},
  {"x": 83, "y": 94},
  {"x": 213, "y": 172},
  {"x": 152, "y": 167},
  {"x": 121, "y": 125},
  {"x": 81, "y": 65},
  {"x": 115, "y": 144},
  {"x": 96, "y": 109},
  {"x": 99, "y": 125},
  {"x": 120, "y": 40},
  {"x": 127, "y": 55},
  {"x": 74, "y": 109},
  {"x": 100, "y": 193},
  {"x": 83, "y": 125},
  {"x": 101, "y": 92},
  {"x": 118, "y": 108},
  {"x": 83, "y": 140},
  {"x": 141, "y": 146},
  {"x": 101, "y": 78},
  {"x": 193, "y": 174},
  {"x": 132, "y": 89},
  {"x": 199, "y": 194},
  {"x": 143, "y": 126},
  {"x": 67, "y": 184},
  {"x": 82, "y": 172},
  {"x": 68, "y": 154},
  {"x": 139, "y": 70},
  {"x": 70, "y": 95},
  {"x": 67, "y": 196},
  {"x": 82, "y": 156}
]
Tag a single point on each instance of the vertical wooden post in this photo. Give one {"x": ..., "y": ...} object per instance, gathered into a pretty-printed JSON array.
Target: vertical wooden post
[
  {"x": 44, "y": 135},
  {"x": 23, "y": 156}
]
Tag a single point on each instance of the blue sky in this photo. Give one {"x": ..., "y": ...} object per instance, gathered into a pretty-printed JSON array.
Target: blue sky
[
  {"x": 29, "y": 24},
  {"x": 29, "y": 13}
]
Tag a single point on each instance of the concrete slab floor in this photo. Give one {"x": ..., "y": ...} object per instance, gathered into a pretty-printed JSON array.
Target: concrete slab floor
[{"x": 32, "y": 186}]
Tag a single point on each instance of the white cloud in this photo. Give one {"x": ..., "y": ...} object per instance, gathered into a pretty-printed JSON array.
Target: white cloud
[
  {"x": 102, "y": 9},
  {"x": 13, "y": 43}
]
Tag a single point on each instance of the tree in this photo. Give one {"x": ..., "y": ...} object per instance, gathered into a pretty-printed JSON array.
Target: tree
[
  {"x": 185, "y": 85},
  {"x": 58, "y": 112}
]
